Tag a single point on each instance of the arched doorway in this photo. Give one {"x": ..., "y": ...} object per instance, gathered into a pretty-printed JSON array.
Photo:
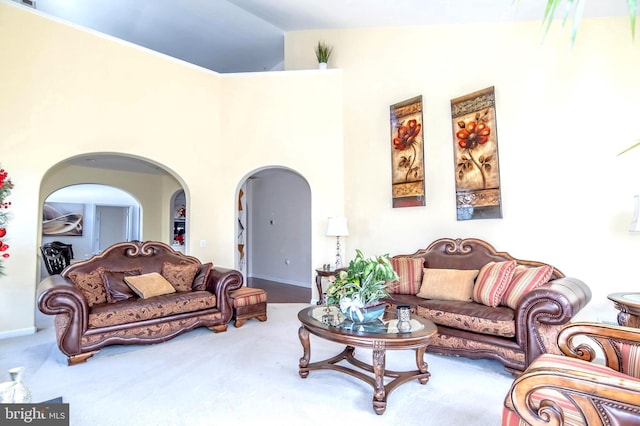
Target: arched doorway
[
  {"x": 178, "y": 213},
  {"x": 102, "y": 215},
  {"x": 150, "y": 184},
  {"x": 274, "y": 227}
]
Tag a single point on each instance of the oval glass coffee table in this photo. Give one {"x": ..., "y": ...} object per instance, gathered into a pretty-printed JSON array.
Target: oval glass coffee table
[{"x": 328, "y": 323}]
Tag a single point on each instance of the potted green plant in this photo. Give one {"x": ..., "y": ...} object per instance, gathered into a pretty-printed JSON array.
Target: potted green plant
[
  {"x": 635, "y": 145},
  {"x": 323, "y": 52},
  {"x": 359, "y": 289},
  {"x": 577, "y": 6}
]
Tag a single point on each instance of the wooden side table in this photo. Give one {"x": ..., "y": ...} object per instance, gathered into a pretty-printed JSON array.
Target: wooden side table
[
  {"x": 629, "y": 306},
  {"x": 320, "y": 273}
]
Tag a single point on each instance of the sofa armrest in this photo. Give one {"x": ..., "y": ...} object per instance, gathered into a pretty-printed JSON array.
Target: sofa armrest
[
  {"x": 58, "y": 296},
  {"x": 542, "y": 312},
  {"x": 221, "y": 282},
  {"x": 576, "y": 393}
]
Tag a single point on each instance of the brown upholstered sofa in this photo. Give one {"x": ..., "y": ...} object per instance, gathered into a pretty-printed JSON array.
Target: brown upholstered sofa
[
  {"x": 94, "y": 307},
  {"x": 514, "y": 335}
]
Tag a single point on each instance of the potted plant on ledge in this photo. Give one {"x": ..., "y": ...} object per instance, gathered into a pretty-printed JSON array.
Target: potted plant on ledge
[
  {"x": 358, "y": 290},
  {"x": 323, "y": 52}
]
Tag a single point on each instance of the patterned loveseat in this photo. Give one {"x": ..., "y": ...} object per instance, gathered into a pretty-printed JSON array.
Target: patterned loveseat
[
  {"x": 135, "y": 293},
  {"x": 487, "y": 304}
]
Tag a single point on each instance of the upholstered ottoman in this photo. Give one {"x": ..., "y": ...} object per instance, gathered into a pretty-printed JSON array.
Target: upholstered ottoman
[{"x": 249, "y": 303}]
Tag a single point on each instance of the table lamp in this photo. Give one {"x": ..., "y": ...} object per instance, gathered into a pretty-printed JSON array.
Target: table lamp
[{"x": 337, "y": 227}]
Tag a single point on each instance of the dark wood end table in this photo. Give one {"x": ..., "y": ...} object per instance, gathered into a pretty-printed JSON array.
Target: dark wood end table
[
  {"x": 378, "y": 336},
  {"x": 320, "y": 273},
  {"x": 629, "y": 306}
]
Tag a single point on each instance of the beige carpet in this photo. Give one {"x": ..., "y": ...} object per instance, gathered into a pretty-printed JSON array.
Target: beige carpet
[{"x": 248, "y": 376}]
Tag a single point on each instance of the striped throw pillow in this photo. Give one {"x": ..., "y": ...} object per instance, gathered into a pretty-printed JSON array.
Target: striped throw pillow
[
  {"x": 492, "y": 282},
  {"x": 409, "y": 269},
  {"x": 524, "y": 280}
]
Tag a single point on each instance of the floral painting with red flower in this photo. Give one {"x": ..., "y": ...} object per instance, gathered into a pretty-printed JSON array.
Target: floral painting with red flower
[
  {"x": 407, "y": 153},
  {"x": 476, "y": 156},
  {"x": 5, "y": 190}
]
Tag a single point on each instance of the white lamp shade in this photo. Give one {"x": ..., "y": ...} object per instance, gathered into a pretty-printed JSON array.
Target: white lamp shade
[
  {"x": 635, "y": 225},
  {"x": 337, "y": 227}
]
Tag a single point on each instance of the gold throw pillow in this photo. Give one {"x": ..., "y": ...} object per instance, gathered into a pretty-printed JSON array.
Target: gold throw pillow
[
  {"x": 149, "y": 285},
  {"x": 447, "y": 284}
]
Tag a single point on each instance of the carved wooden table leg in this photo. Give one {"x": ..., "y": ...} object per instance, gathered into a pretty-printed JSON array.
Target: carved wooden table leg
[
  {"x": 423, "y": 367},
  {"x": 628, "y": 320},
  {"x": 629, "y": 306},
  {"x": 376, "y": 372},
  {"x": 379, "y": 392},
  {"x": 303, "y": 334}
]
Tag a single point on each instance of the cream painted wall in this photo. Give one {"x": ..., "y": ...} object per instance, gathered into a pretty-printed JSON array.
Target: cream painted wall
[
  {"x": 292, "y": 120},
  {"x": 562, "y": 116},
  {"x": 67, "y": 91}
]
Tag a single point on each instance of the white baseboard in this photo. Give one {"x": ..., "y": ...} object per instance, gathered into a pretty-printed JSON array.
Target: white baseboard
[{"x": 17, "y": 333}]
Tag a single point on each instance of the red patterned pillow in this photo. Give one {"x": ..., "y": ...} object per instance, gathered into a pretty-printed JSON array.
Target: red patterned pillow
[
  {"x": 524, "y": 280},
  {"x": 492, "y": 282},
  {"x": 409, "y": 270}
]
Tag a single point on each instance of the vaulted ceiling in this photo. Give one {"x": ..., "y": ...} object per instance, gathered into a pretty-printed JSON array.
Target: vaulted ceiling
[{"x": 248, "y": 35}]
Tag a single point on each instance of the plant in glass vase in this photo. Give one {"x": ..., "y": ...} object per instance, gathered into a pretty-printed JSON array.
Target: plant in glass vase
[{"x": 358, "y": 290}]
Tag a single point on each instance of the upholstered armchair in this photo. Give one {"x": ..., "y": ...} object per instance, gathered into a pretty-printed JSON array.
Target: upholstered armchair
[{"x": 596, "y": 382}]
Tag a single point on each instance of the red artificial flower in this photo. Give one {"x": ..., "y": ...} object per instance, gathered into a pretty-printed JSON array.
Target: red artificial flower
[
  {"x": 407, "y": 134},
  {"x": 473, "y": 135},
  {"x": 5, "y": 190}
]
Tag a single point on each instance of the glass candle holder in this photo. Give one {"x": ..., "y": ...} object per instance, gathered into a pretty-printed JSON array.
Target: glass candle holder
[{"x": 403, "y": 312}]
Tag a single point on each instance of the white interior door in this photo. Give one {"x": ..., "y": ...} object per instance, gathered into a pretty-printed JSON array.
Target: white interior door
[{"x": 112, "y": 226}]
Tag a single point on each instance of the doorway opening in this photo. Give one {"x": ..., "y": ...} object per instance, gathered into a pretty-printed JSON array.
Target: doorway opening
[
  {"x": 178, "y": 213},
  {"x": 112, "y": 225},
  {"x": 273, "y": 229}
]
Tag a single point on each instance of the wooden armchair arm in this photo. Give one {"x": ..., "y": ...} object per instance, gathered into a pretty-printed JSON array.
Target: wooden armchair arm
[
  {"x": 562, "y": 395},
  {"x": 608, "y": 338}
]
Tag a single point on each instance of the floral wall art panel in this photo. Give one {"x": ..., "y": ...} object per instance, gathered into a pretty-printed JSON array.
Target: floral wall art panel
[
  {"x": 407, "y": 153},
  {"x": 475, "y": 148}
]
